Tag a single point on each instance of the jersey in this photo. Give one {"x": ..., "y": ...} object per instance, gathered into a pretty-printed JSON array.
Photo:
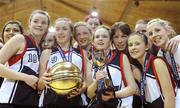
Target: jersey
[
  {"x": 50, "y": 97},
  {"x": 115, "y": 66},
  {"x": 18, "y": 92},
  {"x": 176, "y": 55},
  {"x": 152, "y": 90},
  {"x": 153, "y": 94}
]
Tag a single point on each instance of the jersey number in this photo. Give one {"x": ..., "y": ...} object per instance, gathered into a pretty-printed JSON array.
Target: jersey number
[{"x": 32, "y": 58}]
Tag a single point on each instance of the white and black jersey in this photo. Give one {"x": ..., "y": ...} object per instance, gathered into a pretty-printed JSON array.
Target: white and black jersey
[
  {"x": 115, "y": 66},
  {"x": 171, "y": 58},
  {"x": 57, "y": 58},
  {"x": 53, "y": 100},
  {"x": 18, "y": 92},
  {"x": 153, "y": 95}
]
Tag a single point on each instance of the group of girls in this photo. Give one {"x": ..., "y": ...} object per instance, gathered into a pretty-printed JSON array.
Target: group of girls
[{"x": 138, "y": 76}]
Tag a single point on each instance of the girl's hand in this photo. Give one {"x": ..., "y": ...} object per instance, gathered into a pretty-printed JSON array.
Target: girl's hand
[
  {"x": 31, "y": 80},
  {"x": 172, "y": 45},
  {"x": 75, "y": 92},
  {"x": 46, "y": 78},
  {"x": 100, "y": 75},
  {"x": 109, "y": 95}
]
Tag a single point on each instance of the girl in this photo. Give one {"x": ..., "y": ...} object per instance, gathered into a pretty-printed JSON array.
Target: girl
[
  {"x": 63, "y": 52},
  {"x": 156, "y": 85},
  {"x": 83, "y": 36},
  {"x": 116, "y": 68},
  {"x": 120, "y": 33},
  {"x": 48, "y": 42},
  {"x": 160, "y": 33},
  {"x": 93, "y": 22},
  {"x": 19, "y": 87},
  {"x": 10, "y": 29}
]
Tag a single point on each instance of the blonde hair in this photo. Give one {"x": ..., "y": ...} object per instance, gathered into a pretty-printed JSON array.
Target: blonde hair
[
  {"x": 164, "y": 24},
  {"x": 78, "y": 24},
  {"x": 69, "y": 21},
  {"x": 66, "y": 20}
]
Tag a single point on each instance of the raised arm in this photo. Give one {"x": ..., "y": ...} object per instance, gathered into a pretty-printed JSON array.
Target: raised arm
[{"x": 165, "y": 82}]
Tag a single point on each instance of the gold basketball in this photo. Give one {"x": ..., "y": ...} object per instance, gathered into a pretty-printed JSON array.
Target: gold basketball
[{"x": 66, "y": 77}]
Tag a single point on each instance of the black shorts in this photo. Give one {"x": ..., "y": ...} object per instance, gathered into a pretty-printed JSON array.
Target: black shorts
[
  {"x": 137, "y": 101},
  {"x": 14, "y": 106},
  {"x": 64, "y": 106},
  {"x": 158, "y": 103},
  {"x": 106, "y": 104},
  {"x": 62, "y": 102}
]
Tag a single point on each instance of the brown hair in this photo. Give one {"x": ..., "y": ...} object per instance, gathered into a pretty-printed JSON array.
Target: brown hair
[
  {"x": 40, "y": 12},
  {"x": 142, "y": 35},
  {"x": 12, "y": 22},
  {"x": 124, "y": 27},
  {"x": 106, "y": 28}
]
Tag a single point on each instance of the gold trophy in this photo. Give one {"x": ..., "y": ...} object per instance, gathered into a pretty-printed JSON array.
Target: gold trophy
[
  {"x": 100, "y": 59},
  {"x": 66, "y": 77}
]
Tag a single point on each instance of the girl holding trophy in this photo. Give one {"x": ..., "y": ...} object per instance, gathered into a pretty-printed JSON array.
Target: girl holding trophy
[
  {"x": 64, "y": 81},
  {"x": 113, "y": 83}
]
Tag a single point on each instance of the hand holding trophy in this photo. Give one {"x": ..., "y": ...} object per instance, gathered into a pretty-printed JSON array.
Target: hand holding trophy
[{"x": 105, "y": 85}]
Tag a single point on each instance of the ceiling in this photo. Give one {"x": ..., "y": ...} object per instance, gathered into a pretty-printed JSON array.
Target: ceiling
[{"x": 110, "y": 10}]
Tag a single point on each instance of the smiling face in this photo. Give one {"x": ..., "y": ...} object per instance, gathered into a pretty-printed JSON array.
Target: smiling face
[
  {"x": 102, "y": 39},
  {"x": 10, "y": 30},
  {"x": 120, "y": 40},
  {"x": 83, "y": 36},
  {"x": 63, "y": 32},
  {"x": 158, "y": 34},
  {"x": 136, "y": 46},
  {"x": 38, "y": 24}
]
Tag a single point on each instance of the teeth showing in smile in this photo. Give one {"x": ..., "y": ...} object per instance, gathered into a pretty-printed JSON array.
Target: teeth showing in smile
[
  {"x": 82, "y": 41},
  {"x": 157, "y": 39},
  {"x": 38, "y": 29},
  {"x": 9, "y": 36},
  {"x": 133, "y": 52},
  {"x": 101, "y": 43},
  {"x": 61, "y": 37},
  {"x": 121, "y": 45}
]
